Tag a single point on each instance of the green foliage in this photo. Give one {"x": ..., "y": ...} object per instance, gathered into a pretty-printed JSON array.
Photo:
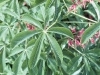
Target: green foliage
[{"x": 49, "y": 37}]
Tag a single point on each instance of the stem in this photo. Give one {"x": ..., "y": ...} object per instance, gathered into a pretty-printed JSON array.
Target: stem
[
  {"x": 80, "y": 15},
  {"x": 74, "y": 22},
  {"x": 65, "y": 4},
  {"x": 78, "y": 51},
  {"x": 55, "y": 20},
  {"x": 66, "y": 14},
  {"x": 51, "y": 25},
  {"x": 84, "y": 17},
  {"x": 2, "y": 73}
]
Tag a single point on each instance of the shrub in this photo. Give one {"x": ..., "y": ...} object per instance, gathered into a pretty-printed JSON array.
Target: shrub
[{"x": 49, "y": 37}]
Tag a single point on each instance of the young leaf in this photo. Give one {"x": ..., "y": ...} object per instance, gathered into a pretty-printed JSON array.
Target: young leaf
[
  {"x": 61, "y": 31},
  {"x": 31, "y": 42},
  {"x": 55, "y": 47},
  {"x": 35, "y": 55},
  {"x": 48, "y": 2},
  {"x": 89, "y": 32},
  {"x": 28, "y": 18},
  {"x": 22, "y": 36}
]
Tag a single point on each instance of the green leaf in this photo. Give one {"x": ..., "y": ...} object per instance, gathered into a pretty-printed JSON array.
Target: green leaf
[
  {"x": 22, "y": 36},
  {"x": 94, "y": 52},
  {"x": 2, "y": 61},
  {"x": 47, "y": 3},
  {"x": 31, "y": 42},
  {"x": 36, "y": 2},
  {"x": 9, "y": 12},
  {"x": 96, "y": 8},
  {"x": 91, "y": 13},
  {"x": 92, "y": 72},
  {"x": 86, "y": 62},
  {"x": 55, "y": 48},
  {"x": 57, "y": 10},
  {"x": 77, "y": 72},
  {"x": 18, "y": 63},
  {"x": 74, "y": 63},
  {"x": 16, "y": 50},
  {"x": 35, "y": 55},
  {"x": 15, "y": 6},
  {"x": 62, "y": 31},
  {"x": 41, "y": 68},
  {"x": 28, "y": 18},
  {"x": 68, "y": 54},
  {"x": 94, "y": 62},
  {"x": 89, "y": 32},
  {"x": 33, "y": 71},
  {"x": 52, "y": 64},
  {"x": 28, "y": 2},
  {"x": 43, "y": 56},
  {"x": 2, "y": 2},
  {"x": 2, "y": 17}
]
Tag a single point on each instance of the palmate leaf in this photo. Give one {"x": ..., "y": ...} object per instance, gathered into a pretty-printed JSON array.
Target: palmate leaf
[
  {"x": 22, "y": 36},
  {"x": 35, "y": 55},
  {"x": 89, "y": 32},
  {"x": 62, "y": 31},
  {"x": 55, "y": 48},
  {"x": 28, "y": 18}
]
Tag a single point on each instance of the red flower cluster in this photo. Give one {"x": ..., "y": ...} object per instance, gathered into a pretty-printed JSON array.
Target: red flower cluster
[
  {"x": 95, "y": 35},
  {"x": 30, "y": 27},
  {"x": 78, "y": 2},
  {"x": 77, "y": 37}
]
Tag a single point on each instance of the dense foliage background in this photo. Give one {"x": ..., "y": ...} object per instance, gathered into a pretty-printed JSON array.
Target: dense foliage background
[{"x": 49, "y": 37}]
